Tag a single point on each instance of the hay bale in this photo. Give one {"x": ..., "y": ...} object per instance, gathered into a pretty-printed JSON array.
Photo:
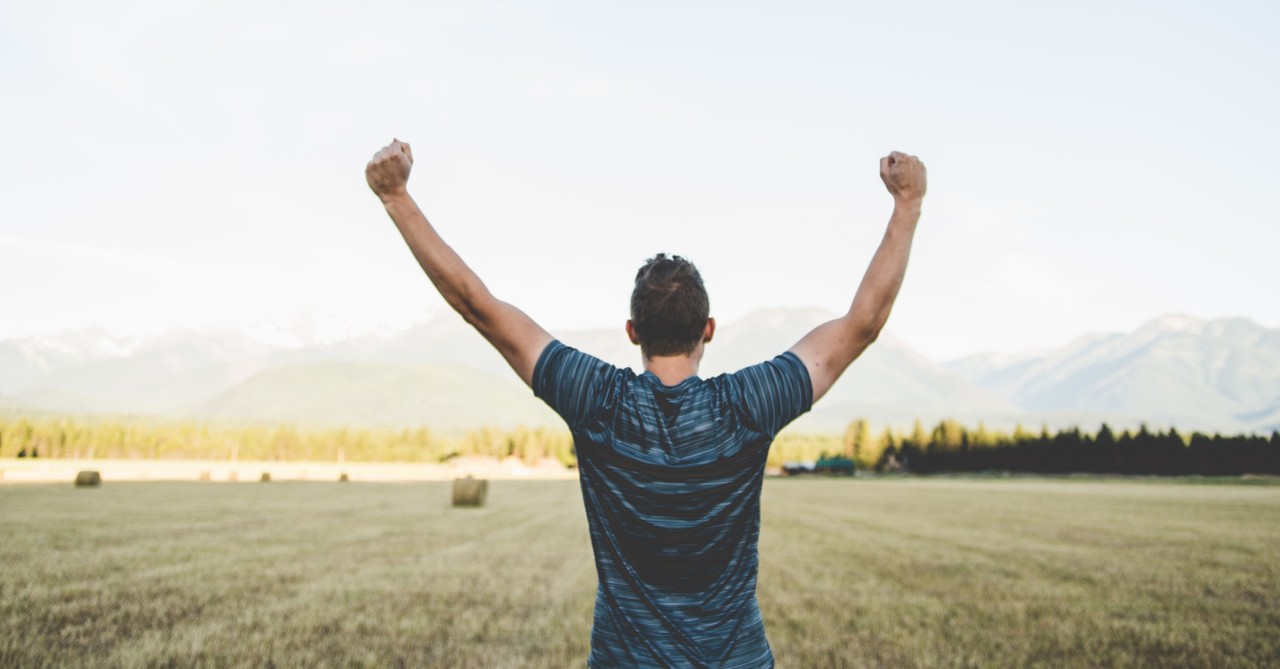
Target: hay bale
[
  {"x": 470, "y": 491},
  {"x": 88, "y": 479},
  {"x": 206, "y": 476},
  {"x": 342, "y": 478},
  {"x": 266, "y": 477}
]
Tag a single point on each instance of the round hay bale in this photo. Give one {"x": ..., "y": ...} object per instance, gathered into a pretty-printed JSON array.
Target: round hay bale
[
  {"x": 88, "y": 479},
  {"x": 266, "y": 477},
  {"x": 470, "y": 491},
  {"x": 206, "y": 476},
  {"x": 342, "y": 478}
]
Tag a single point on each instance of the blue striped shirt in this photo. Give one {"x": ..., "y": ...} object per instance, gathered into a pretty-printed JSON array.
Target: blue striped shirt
[{"x": 671, "y": 481}]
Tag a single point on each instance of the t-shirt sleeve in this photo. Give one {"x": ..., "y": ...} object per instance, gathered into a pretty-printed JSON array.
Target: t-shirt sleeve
[
  {"x": 574, "y": 384},
  {"x": 775, "y": 392}
]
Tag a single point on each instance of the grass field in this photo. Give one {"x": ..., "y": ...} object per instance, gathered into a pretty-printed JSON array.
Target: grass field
[{"x": 898, "y": 572}]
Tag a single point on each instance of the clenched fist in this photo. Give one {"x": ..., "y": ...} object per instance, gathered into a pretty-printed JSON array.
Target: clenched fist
[
  {"x": 904, "y": 176},
  {"x": 388, "y": 172}
]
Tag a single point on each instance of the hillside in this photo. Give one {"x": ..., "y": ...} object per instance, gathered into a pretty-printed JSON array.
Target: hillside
[{"x": 440, "y": 396}]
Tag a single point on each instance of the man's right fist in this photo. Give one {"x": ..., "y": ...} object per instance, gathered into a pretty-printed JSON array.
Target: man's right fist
[
  {"x": 904, "y": 176},
  {"x": 388, "y": 172}
]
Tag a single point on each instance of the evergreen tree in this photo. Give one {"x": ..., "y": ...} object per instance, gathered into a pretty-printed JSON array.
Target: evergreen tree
[{"x": 858, "y": 444}]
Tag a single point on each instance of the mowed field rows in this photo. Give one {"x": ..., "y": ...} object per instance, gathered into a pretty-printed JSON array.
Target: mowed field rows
[{"x": 893, "y": 572}]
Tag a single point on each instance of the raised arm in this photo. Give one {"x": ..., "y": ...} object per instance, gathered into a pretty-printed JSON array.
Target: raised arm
[
  {"x": 515, "y": 335},
  {"x": 831, "y": 347}
]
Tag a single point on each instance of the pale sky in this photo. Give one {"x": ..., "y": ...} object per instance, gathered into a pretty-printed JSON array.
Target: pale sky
[{"x": 1092, "y": 165}]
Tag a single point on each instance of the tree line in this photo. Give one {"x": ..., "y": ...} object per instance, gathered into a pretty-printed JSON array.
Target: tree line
[
  {"x": 65, "y": 437},
  {"x": 952, "y": 447},
  {"x": 948, "y": 447}
]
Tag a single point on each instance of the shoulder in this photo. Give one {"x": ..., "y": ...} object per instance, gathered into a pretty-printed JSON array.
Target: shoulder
[
  {"x": 772, "y": 393},
  {"x": 786, "y": 368},
  {"x": 576, "y": 385},
  {"x": 561, "y": 358},
  {"x": 558, "y": 360}
]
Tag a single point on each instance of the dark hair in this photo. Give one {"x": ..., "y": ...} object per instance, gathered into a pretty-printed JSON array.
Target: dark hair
[{"x": 669, "y": 306}]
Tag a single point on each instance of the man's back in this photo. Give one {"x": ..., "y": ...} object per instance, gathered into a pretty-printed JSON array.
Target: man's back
[{"x": 671, "y": 480}]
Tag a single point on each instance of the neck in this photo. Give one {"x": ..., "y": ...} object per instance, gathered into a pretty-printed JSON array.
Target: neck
[{"x": 672, "y": 369}]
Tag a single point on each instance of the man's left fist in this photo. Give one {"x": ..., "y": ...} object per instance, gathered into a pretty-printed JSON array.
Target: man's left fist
[{"x": 388, "y": 172}]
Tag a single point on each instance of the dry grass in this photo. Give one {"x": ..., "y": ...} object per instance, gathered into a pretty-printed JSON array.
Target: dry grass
[
  {"x": 939, "y": 572},
  {"x": 1021, "y": 573}
]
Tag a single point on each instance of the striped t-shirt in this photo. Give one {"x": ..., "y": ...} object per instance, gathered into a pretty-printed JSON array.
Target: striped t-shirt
[{"x": 671, "y": 482}]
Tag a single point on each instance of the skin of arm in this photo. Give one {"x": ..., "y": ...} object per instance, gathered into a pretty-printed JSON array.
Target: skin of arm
[
  {"x": 831, "y": 347},
  {"x": 516, "y": 336}
]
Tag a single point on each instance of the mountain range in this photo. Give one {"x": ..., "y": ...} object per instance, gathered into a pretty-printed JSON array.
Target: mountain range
[{"x": 1217, "y": 375}]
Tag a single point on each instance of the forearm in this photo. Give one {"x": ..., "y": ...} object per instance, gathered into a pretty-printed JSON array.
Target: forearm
[
  {"x": 457, "y": 283},
  {"x": 879, "y": 288}
]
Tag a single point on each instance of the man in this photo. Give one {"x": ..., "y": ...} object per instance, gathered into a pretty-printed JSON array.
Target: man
[{"x": 671, "y": 465}]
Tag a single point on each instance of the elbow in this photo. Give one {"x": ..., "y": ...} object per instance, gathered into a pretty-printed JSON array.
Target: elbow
[
  {"x": 474, "y": 317},
  {"x": 866, "y": 338},
  {"x": 866, "y": 331},
  {"x": 469, "y": 315},
  {"x": 476, "y": 306},
  {"x": 467, "y": 306}
]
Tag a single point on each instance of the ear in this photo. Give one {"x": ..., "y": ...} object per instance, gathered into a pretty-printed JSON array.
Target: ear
[
  {"x": 709, "y": 331},
  {"x": 631, "y": 333}
]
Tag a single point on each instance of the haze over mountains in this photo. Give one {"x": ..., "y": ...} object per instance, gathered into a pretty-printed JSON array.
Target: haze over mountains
[{"x": 1221, "y": 375}]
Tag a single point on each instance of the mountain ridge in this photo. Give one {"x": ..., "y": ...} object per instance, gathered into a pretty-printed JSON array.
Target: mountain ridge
[
  {"x": 1217, "y": 374},
  {"x": 1220, "y": 374}
]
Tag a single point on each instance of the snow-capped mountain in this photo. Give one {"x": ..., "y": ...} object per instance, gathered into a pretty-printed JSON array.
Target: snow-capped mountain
[
  {"x": 1175, "y": 370},
  {"x": 1220, "y": 374}
]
